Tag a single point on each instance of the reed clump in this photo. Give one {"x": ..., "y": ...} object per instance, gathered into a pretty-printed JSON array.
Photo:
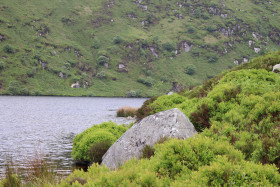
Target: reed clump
[
  {"x": 34, "y": 172},
  {"x": 127, "y": 111}
]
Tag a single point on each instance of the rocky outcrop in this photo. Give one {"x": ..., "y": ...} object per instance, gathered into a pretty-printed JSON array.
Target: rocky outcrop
[
  {"x": 122, "y": 67},
  {"x": 171, "y": 123},
  {"x": 153, "y": 51},
  {"x": 76, "y": 85},
  {"x": 185, "y": 46},
  {"x": 276, "y": 68}
]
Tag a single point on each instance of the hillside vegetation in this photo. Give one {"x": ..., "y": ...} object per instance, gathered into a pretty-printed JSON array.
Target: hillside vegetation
[
  {"x": 237, "y": 114},
  {"x": 128, "y": 48}
]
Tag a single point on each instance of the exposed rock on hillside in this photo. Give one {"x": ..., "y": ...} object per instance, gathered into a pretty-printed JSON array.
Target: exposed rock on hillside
[
  {"x": 276, "y": 68},
  {"x": 171, "y": 123}
]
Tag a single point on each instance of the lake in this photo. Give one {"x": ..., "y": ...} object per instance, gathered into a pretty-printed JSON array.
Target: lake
[{"x": 48, "y": 125}]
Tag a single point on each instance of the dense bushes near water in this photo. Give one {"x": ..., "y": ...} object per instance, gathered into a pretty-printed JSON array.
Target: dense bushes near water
[
  {"x": 241, "y": 106},
  {"x": 105, "y": 132},
  {"x": 237, "y": 114},
  {"x": 198, "y": 161}
]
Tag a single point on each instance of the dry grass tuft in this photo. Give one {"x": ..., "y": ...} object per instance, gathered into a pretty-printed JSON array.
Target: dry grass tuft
[{"x": 127, "y": 111}]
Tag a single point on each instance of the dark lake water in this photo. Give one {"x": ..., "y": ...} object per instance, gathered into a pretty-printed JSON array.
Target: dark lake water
[{"x": 48, "y": 125}]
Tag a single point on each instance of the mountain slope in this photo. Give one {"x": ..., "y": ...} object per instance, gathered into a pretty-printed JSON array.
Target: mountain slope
[{"x": 133, "y": 48}]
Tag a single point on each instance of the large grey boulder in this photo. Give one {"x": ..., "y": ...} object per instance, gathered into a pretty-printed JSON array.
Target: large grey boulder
[{"x": 171, "y": 123}]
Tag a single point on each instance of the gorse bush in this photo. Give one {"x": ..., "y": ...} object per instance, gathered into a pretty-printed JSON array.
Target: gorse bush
[{"x": 105, "y": 132}]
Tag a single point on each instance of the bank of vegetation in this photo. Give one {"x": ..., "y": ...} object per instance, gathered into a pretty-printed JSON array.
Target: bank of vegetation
[{"x": 237, "y": 114}]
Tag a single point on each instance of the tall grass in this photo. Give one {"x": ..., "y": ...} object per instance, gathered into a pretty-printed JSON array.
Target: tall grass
[
  {"x": 34, "y": 172},
  {"x": 127, "y": 111}
]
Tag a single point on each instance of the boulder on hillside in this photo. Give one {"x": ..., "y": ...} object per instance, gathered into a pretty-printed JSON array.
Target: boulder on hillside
[
  {"x": 171, "y": 123},
  {"x": 276, "y": 68}
]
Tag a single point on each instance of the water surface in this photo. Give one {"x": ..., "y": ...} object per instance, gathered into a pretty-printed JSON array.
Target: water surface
[{"x": 48, "y": 125}]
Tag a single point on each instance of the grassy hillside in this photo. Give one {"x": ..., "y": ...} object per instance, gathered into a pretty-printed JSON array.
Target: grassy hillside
[{"x": 128, "y": 48}]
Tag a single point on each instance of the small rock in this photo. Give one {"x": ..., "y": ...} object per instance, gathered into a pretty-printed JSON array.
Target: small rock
[
  {"x": 224, "y": 15},
  {"x": 76, "y": 85},
  {"x": 61, "y": 75},
  {"x": 276, "y": 68},
  {"x": 153, "y": 51},
  {"x": 106, "y": 65},
  {"x": 257, "y": 49},
  {"x": 170, "y": 93}
]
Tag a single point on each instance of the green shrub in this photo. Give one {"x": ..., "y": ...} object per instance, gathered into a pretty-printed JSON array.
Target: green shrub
[
  {"x": 148, "y": 81},
  {"x": 95, "y": 44},
  {"x": 177, "y": 157},
  {"x": 149, "y": 72},
  {"x": 190, "y": 70},
  {"x": 9, "y": 49},
  {"x": 101, "y": 75},
  {"x": 201, "y": 118},
  {"x": 132, "y": 93},
  {"x": 102, "y": 60},
  {"x": 82, "y": 143},
  {"x": 148, "y": 152},
  {"x": 168, "y": 47},
  {"x": 223, "y": 172},
  {"x": 117, "y": 40},
  {"x": 211, "y": 28},
  {"x": 97, "y": 150},
  {"x": 191, "y": 29},
  {"x": 164, "y": 79},
  {"x": 145, "y": 109},
  {"x": 212, "y": 58},
  {"x": 2, "y": 65}
]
